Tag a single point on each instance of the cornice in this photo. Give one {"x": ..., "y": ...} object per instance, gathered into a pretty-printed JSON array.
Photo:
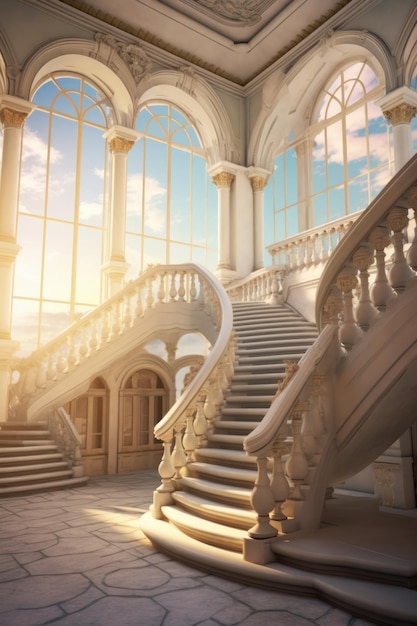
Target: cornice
[{"x": 159, "y": 43}]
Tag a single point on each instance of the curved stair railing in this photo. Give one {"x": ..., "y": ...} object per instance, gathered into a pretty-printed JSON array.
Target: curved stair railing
[
  {"x": 296, "y": 438},
  {"x": 186, "y": 425},
  {"x": 67, "y": 438},
  {"x": 104, "y": 334}
]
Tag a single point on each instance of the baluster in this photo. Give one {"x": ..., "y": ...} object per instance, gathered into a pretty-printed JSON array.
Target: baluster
[
  {"x": 200, "y": 422},
  {"x": 263, "y": 502},
  {"x": 210, "y": 410},
  {"x": 296, "y": 466},
  {"x": 181, "y": 288},
  {"x": 173, "y": 289},
  {"x": 41, "y": 375},
  {"x": 61, "y": 363},
  {"x": 166, "y": 469},
  {"x": 139, "y": 307},
  {"x": 161, "y": 289},
  {"x": 127, "y": 316},
  {"x": 400, "y": 272},
  {"x": 178, "y": 458},
  {"x": 83, "y": 347},
  {"x": 115, "y": 327},
  {"x": 309, "y": 252},
  {"x": 381, "y": 290},
  {"x": 149, "y": 295},
  {"x": 349, "y": 331},
  {"x": 51, "y": 371},
  {"x": 193, "y": 290},
  {"x": 334, "y": 305},
  {"x": 72, "y": 357},
  {"x": 274, "y": 289},
  {"x": 316, "y": 407},
  {"x": 105, "y": 330},
  {"x": 93, "y": 343},
  {"x": 307, "y": 436},
  {"x": 365, "y": 311},
  {"x": 189, "y": 441},
  {"x": 323, "y": 253},
  {"x": 279, "y": 483}
]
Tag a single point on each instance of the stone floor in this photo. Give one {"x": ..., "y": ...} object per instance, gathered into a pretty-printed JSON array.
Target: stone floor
[{"x": 78, "y": 557}]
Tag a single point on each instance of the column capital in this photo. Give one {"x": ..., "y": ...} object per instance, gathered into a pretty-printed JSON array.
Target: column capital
[
  {"x": 14, "y": 111},
  {"x": 121, "y": 139},
  {"x": 399, "y": 106},
  {"x": 223, "y": 179},
  {"x": 258, "y": 183}
]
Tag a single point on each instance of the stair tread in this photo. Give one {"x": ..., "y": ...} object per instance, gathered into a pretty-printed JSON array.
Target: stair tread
[
  {"x": 216, "y": 510},
  {"x": 53, "y": 484},
  {"x": 224, "y": 471},
  {"x": 35, "y": 467},
  {"x": 34, "y": 477},
  {"x": 29, "y": 458},
  {"x": 226, "y": 492}
]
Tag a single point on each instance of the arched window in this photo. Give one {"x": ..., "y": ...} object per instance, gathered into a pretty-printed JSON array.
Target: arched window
[
  {"x": 350, "y": 158},
  {"x": 172, "y": 204},
  {"x": 61, "y": 221}
]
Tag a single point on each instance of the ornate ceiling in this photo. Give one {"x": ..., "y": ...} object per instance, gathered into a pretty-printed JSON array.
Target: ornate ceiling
[{"x": 236, "y": 39}]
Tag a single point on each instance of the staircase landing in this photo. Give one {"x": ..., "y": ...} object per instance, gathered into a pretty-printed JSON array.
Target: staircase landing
[{"x": 362, "y": 560}]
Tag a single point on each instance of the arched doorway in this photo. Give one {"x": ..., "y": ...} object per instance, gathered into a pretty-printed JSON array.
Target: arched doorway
[
  {"x": 90, "y": 413},
  {"x": 144, "y": 400}
]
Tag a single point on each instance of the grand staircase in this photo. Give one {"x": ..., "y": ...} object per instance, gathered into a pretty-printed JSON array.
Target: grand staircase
[
  {"x": 30, "y": 461},
  {"x": 218, "y": 483}
]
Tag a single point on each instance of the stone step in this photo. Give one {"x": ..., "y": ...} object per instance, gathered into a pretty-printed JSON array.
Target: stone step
[
  {"x": 216, "y": 512},
  {"x": 12, "y": 460},
  {"x": 34, "y": 478},
  {"x": 20, "y": 433},
  {"x": 13, "y": 450},
  {"x": 248, "y": 399},
  {"x": 19, "y": 425},
  {"x": 204, "y": 530},
  {"x": 255, "y": 388},
  {"x": 243, "y": 412},
  {"x": 235, "y": 427},
  {"x": 225, "y": 440},
  {"x": 50, "y": 485},
  {"x": 225, "y": 465},
  {"x": 218, "y": 492},
  {"x": 27, "y": 468},
  {"x": 24, "y": 443}
]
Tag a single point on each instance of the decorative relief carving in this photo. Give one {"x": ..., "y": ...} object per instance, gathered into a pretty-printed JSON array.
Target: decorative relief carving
[
  {"x": 120, "y": 144},
  {"x": 9, "y": 117},
  {"x": 133, "y": 55},
  {"x": 223, "y": 179},
  {"x": 401, "y": 114},
  {"x": 239, "y": 11}
]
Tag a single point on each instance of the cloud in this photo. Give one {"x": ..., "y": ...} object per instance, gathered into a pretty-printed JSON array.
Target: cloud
[{"x": 155, "y": 195}]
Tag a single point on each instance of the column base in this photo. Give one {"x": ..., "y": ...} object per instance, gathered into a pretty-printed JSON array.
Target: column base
[{"x": 225, "y": 274}]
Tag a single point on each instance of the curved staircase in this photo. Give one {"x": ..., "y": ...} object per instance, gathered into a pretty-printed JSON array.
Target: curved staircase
[{"x": 218, "y": 483}]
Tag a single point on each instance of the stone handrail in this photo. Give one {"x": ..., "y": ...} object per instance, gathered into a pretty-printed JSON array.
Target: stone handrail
[
  {"x": 312, "y": 246},
  {"x": 376, "y": 229},
  {"x": 298, "y": 433},
  {"x": 262, "y": 285}
]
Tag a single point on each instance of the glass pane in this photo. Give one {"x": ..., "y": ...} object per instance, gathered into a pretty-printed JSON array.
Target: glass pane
[
  {"x": 88, "y": 265},
  {"x": 154, "y": 251},
  {"x": 335, "y": 156},
  {"x": 320, "y": 210},
  {"x": 337, "y": 203},
  {"x": 45, "y": 94},
  {"x": 358, "y": 194},
  {"x": 143, "y": 435},
  {"x": 58, "y": 263},
  {"x": 61, "y": 183},
  {"x": 319, "y": 164},
  {"x": 54, "y": 319},
  {"x": 378, "y": 131},
  {"x": 91, "y": 176},
  {"x": 291, "y": 177},
  {"x": 27, "y": 278},
  {"x": 181, "y": 137},
  {"x": 280, "y": 229},
  {"x": 127, "y": 435},
  {"x": 268, "y": 215},
  {"x": 34, "y": 161},
  {"x": 179, "y": 253},
  {"x": 155, "y": 188},
  {"x": 279, "y": 182},
  {"x": 180, "y": 196},
  {"x": 133, "y": 256},
  {"x": 292, "y": 221},
  {"x": 379, "y": 179},
  {"x": 25, "y": 325},
  {"x": 199, "y": 195},
  {"x": 198, "y": 255},
  {"x": 64, "y": 104},
  {"x": 155, "y": 129},
  {"x": 142, "y": 119}
]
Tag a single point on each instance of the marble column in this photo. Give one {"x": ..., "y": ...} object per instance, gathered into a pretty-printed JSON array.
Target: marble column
[
  {"x": 399, "y": 107},
  {"x": 120, "y": 141},
  {"x": 13, "y": 113},
  {"x": 258, "y": 183},
  {"x": 302, "y": 185},
  {"x": 223, "y": 180}
]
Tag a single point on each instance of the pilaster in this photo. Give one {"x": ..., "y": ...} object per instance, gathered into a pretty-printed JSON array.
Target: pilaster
[{"x": 223, "y": 177}]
